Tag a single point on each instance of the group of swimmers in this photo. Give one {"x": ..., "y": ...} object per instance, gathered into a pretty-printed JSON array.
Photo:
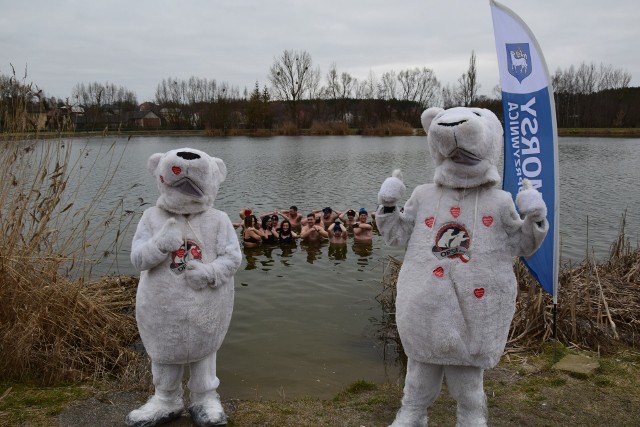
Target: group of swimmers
[{"x": 319, "y": 225}]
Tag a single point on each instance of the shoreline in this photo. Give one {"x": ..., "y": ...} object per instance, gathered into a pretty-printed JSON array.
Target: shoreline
[
  {"x": 524, "y": 389},
  {"x": 266, "y": 133}
]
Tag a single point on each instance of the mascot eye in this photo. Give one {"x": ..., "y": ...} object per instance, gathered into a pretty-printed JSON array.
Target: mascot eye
[
  {"x": 187, "y": 155},
  {"x": 477, "y": 114}
]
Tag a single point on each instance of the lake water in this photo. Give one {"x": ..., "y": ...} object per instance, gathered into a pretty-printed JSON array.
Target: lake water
[{"x": 305, "y": 319}]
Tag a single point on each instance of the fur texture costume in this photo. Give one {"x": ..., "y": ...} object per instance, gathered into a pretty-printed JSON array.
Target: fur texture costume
[
  {"x": 456, "y": 289},
  {"x": 188, "y": 254}
]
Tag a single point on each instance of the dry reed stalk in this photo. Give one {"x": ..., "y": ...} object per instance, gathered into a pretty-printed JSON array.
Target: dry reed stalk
[
  {"x": 55, "y": 326},
  {"x": 394, "y": 127}
]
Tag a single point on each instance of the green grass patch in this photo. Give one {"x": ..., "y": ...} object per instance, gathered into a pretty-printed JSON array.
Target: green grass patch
[
  {"x": 24, "y": 404},
  {"x": 357, "y": 387}
]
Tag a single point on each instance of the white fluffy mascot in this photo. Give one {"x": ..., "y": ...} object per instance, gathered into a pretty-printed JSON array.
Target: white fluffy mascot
[
  {"x": 187, "y": 253},
  {"x": 456, "y": 289}
]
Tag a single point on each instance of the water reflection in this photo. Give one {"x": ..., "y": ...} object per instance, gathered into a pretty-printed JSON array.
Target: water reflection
[
  {"x": 313, "y": 250},
  {"x": 338, "y": 252},
  {"x": 363, "y": 250}
]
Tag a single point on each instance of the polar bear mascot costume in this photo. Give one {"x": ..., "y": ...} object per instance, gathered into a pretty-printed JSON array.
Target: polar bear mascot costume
[
  {"x": 456, "y": 289},
  {"x": 187, "y": 253}
]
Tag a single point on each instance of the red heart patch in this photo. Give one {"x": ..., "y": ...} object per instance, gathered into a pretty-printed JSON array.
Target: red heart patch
[
  {"x": 429, "y": 221},
  {"x": 176, "y": 170},
  {"x": 487, "y": 220},
  {"x": 180, "y": 253},
  {"x": 455, "y": 211},
  {"x": 438, "y": 272},
  {"x": 478, "y": 292}
]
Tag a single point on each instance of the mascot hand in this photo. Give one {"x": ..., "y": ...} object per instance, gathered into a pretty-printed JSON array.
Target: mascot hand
[
  {"x": 169, "y": 238},
  {"x": 198, "y": 276},
  {"x": 391, "y": 189},
  {"x": 530, "y": 203}
]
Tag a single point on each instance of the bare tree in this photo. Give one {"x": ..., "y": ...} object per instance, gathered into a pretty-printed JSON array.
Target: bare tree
[
  {"x": 612, "y": 78},
  {"x": 291, "y": 76},
  {"x": 450, "y": 97},
  {"x": 333, "y": 83},
  {"x": 586, "y": 78},
  {"x": 589, "y": 79},
  {"x": 419, "y": 85},
  {"x": 366, "y": 89},
  {"x": 388, "y": 86},
  {"x": 468, "y": 84},
  {"x": 314, "y": 88}
]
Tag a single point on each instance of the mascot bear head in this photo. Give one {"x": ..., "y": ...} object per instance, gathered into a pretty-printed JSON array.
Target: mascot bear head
[
  {"x": 466, "y": 144},
  {"x": 188, "y": 180}
]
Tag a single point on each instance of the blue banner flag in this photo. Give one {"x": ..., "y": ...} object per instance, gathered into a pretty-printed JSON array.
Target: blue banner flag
[{"x": 530, "y": 131}]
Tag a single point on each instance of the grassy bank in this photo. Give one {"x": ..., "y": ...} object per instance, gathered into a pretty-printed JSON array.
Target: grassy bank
[{"x": 522, "y": 391}]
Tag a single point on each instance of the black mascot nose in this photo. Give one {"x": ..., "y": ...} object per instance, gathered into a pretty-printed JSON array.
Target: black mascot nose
[{"x": 188, "y": 156}]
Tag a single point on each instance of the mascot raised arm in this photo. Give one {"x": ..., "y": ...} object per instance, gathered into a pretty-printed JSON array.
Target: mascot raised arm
[
  {"x": 188, "y": 253},
  {"x": 456, "y": 289}
]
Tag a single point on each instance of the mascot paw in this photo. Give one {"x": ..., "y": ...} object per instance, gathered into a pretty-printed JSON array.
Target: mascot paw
[
  {"x": 206, "y": 410},
  {"x": 530, "y": 203},
  {"x": 169, "y": 238},
  {"x": 391, "y": 189},
  {"x": 198, "y": 276},
  {"x": 157, "y": 410}
]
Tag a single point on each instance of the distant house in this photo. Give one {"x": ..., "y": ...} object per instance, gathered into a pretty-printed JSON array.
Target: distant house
[
  {"x": 148, "y": 106},
  {"x": 171, "y": 116},
  {"x": 145, "y": 119}
]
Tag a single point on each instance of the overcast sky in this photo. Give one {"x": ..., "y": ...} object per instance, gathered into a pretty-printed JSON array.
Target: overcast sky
[{"x": 137, "y": 43}]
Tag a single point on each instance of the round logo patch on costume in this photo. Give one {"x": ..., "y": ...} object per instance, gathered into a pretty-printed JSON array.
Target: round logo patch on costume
[
  {"x": 187, "y": 252},
  {"x": 452, "y": 241}
]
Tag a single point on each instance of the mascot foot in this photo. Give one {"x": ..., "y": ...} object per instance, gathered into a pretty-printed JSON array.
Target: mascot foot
[
  {"x": 158, "y": 410},
  {"x": 472, "y": 417},
  {"x": 206, "y": 410},
  {"x": 410, "y": 416}
]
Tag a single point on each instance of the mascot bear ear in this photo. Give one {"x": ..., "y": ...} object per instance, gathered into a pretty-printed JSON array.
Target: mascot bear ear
[
  {"x": 153, "y": 162},
  {"x": 222, "y": 168},
  {"x": 427, "y": 117}
]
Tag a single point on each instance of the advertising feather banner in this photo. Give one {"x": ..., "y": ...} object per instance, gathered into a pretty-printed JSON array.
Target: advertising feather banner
[{"x": 531, "y": 136}]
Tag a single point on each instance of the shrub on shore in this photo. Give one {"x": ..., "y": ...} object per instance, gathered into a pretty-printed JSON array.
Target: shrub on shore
[
  {"x": 392, "y": 128},
  {"x": 54, "y": 326},
  {"x": 329, "y": 128}
]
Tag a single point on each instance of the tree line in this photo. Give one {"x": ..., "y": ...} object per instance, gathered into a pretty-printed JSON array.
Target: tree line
[{"x": 298, "y": 95}]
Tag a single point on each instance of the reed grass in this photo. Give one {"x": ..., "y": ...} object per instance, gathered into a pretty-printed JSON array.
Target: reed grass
[
  {"x": 329, "y": 128},
  {"x": 391, "y": 128},
  {"x": 598, "y": 304},
  {"x": 55, "y": 323}
]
